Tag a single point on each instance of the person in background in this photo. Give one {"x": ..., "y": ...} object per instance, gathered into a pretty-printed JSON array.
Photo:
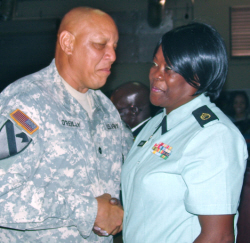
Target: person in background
[
  {"x": 182, "y": 179},
  {"x": 222, "y": 101},
  {"x": 238, "y": 112},
  {"x": 132, "y": 101},
  {"x": 238, "y": 106},
  {"x": 63, "y": 141}
]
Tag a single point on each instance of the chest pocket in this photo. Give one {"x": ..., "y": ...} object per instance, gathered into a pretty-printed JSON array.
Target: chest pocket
[
  {"x": 107, "y": 139},
  {"x": 64, "y": 152},
  {"x": 107, "y": 143}
]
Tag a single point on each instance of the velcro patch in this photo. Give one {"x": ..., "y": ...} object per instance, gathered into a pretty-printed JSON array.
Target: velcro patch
[
  {"x": 24, "y": 121},
  {"x": 111, "y": 126},
  {"x": 70, "y": 123},
  {"x": 12, "y": 139}
]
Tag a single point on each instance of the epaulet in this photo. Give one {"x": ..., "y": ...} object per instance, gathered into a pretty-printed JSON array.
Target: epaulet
[{"x": 204, "y": 115}]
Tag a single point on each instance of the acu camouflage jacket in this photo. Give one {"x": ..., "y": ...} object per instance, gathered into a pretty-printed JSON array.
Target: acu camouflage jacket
[{"x": 54, "y": 160}]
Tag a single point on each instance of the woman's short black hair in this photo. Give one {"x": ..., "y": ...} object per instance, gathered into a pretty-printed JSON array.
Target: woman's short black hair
[{"x": 197, "y": 52}]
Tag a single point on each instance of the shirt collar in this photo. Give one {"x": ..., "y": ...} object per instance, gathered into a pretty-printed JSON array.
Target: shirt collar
[
  {"x": 70, "y": 103},
  {"x": 64, "y": 97},
  {"x": 134, "y": 128},
  {"x": 181, "y": 113}
]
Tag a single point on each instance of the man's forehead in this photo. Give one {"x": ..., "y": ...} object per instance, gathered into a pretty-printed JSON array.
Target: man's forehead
[
  {"x": 124, "y": 97},
  {"x": 99, "y": 28}
]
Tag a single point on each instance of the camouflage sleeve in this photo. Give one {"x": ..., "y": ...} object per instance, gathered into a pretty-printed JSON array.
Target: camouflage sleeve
[
  {"x": 127, "y": 140},
  {"x": 28, "y": 200}
]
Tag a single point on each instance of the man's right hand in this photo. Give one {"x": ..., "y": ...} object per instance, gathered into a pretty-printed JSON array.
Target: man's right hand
[{"x": 109, "y": 216}]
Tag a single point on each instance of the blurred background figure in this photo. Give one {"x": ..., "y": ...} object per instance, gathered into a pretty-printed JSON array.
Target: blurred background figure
[
  {"x": 238, "y": 110},
  {"x": 132, "y": 101},
  {"x": 222, "y": 101},
  {"x": 239, "y": 104}
]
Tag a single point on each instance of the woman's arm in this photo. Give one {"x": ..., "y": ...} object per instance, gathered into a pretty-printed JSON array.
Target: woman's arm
[{"x": 216, "y": 229}]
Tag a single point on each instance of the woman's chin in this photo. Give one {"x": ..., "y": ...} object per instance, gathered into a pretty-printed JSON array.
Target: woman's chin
[{"x": 155, "y": 100}]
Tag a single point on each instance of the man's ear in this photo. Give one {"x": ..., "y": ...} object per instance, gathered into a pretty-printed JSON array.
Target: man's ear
[{"x": 67, "y": 40}]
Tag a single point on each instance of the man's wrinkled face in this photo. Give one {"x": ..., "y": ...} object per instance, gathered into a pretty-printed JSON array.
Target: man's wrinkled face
[{"x": 94, "y": 52}]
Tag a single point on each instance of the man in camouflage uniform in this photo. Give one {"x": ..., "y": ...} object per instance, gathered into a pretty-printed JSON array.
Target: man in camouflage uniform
[{"x": 62, "y": 141}]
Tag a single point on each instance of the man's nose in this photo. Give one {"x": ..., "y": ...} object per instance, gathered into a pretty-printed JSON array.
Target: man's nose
[{"x": 110, "y": 53}]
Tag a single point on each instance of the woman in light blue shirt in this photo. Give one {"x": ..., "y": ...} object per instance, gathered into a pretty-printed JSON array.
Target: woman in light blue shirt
[{"x": 182, "y": 179}]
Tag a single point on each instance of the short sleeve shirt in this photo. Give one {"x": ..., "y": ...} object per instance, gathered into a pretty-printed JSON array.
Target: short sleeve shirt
[{"x": 190, "y": 170}]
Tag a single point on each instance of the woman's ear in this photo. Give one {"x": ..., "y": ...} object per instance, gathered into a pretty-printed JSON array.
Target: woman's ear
[{"x": 66, "y": 40}]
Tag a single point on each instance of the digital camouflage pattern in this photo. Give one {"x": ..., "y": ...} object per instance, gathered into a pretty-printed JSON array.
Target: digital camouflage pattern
[{"x": 48, "y": 189}]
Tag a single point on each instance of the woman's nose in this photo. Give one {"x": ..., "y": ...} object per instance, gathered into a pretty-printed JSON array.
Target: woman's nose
[{"x": 159, "y": 74}]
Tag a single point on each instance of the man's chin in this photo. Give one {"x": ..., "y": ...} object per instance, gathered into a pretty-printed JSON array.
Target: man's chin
[{"x": 98, "y": 85}]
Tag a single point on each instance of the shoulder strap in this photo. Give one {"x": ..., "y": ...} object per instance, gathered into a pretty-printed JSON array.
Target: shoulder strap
[{"x": 204, "y": 115}]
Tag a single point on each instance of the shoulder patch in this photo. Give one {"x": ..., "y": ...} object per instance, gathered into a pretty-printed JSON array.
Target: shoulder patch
[
  {"x": 12, "y": 139},
  {"x": 24, "y": 121},
  {"x": 204, "y": 115}
]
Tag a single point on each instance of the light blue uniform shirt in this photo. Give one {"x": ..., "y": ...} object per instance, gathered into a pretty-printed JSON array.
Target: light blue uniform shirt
[{"x": 202, "y": 175}]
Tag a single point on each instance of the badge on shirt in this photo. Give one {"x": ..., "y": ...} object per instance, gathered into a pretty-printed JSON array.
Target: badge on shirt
[
  {"x": 12, "y": 139},
  {"x": 142, "y": 143},
  {"x": 111, "y": 126},
  {"x": 24, "y": 121},
  {"x": 204, "y": 115},
  {"x": 162, "y": 150},
  {"x": 70, "y": 123}
]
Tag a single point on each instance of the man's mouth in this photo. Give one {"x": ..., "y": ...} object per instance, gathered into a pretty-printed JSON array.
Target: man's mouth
[{"x": 106, "y": 70}]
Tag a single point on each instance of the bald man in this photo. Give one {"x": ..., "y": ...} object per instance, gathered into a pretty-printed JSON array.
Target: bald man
[
  {"x": 132, "y": 101},
  {"x": 63, "y": 142}
]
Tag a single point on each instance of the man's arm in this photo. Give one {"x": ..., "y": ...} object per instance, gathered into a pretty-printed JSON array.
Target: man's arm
[
  {"x": 216, "y": 229},
  {"x": 109, "y": 216},
  {"x": 31, "y": 200}
]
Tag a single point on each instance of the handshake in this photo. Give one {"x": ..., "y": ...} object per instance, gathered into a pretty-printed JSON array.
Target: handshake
[{"x": 109, "y": 216}]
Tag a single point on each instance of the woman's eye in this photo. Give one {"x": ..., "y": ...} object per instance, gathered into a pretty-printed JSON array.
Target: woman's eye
[
  {"x": 167, "y": 68},
  {"x": 154, "y": 64}
]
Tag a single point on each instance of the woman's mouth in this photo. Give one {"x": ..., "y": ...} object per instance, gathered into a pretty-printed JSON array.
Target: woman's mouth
[{"x": 156, "y": 89}]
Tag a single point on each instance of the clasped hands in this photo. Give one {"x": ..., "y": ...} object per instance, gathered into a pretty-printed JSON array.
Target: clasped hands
[{"x": 109, "y": 216}]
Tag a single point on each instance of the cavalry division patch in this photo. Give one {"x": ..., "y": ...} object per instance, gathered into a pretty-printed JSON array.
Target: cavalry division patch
[
  {"x": 12, "y": 139},
  {"x": 24, "y": 121}
]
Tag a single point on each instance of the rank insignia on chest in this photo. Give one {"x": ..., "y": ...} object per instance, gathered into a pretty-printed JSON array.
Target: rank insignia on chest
[{"x": 162, "y": 150}]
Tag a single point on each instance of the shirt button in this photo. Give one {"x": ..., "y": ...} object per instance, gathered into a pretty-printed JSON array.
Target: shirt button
[{"x": 100, "y": 150}]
